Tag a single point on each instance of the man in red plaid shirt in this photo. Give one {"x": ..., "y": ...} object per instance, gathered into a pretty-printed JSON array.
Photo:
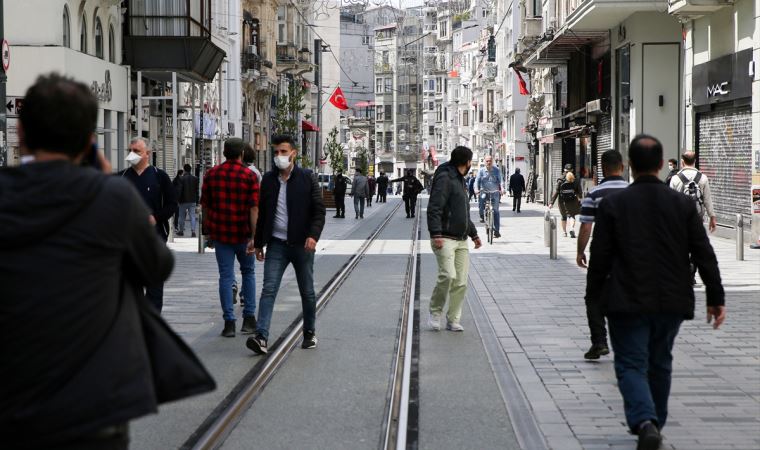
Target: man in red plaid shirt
[{"x": 230, "y": 200}]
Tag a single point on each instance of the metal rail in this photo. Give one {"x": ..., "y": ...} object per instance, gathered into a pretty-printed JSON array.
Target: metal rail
[{"x": 221, "y": 427}]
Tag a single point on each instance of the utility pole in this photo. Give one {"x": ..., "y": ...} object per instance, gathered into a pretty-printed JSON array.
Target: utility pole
[
  {"x": 318, "y": 81},
  {"x": 3, "y": 80}
]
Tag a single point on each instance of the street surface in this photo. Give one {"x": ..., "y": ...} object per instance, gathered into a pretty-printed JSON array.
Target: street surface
[{"x": 516, "y": 376}]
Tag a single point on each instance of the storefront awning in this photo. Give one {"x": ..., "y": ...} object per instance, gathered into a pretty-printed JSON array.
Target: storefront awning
[
  {"x": 364, "y": 104},
  {"x": 564, "y": 44},
  {"x": 308, "y": 126}
]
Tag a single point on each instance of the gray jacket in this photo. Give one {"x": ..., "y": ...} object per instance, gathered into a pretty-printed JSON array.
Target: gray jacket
[{"x": 360, "y": 186}]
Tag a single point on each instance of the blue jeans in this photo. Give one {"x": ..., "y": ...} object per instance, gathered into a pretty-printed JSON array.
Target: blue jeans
[
  {"x": 494, "y": 203},
  {"x": 225, "y": 259},
  {"x": 184, "y": 209},
  {"x": 278, "y": 255},
  {"x": 643, "y": 363},
  {"x": 359, "y": 205}
]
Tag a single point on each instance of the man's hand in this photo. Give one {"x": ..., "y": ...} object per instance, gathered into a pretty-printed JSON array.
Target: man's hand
[
  {"x": 259, "y": 252},
  {"x": 437, "y": 243},
  {"x": 550, "y": 205},
  {"x": 250, "y": 249},
  {"x": 718, "y": 313},
  {"x": 713, "y": 224},
  {"x": 311, "y": 245},
  {"x": 477, "y": 242},
  {"x": 152, "y": 219},
  {"x": 105, "y": 165},
  {"x": 580, "y": 259}
]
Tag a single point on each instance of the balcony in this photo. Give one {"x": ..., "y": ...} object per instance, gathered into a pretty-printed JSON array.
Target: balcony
[
  {"x": 250, "y": 65},
  {"x": 181, "y": 42},
  {"x": 292, "y": 60},
  {"x": 696, "y": 8},
  {"x": 532, "y": 28},
  {"x": 383, "y": 68}
]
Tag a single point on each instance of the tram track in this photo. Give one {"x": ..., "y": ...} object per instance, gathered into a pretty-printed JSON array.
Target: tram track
[{"x": 218, "y": 426}]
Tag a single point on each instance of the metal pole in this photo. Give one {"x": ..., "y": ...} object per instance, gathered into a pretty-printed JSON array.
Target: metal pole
[
  {"x": 163, "y": 129},
  {"x": 739, "y": 237},
  {"x": 175, "y": 137},
  {"x": 553, "y": 247},
  {"x": 547, "y": 228},
  {"x": 3, "y": 117}
]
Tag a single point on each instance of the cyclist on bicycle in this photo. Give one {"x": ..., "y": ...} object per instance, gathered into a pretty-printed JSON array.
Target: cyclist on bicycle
[{"x": 488, "y": 186}]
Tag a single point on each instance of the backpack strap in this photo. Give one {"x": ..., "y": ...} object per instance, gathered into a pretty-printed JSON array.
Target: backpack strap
[
  {"x": 684, "y": 181},
  {"x": 697, "y": 177}
]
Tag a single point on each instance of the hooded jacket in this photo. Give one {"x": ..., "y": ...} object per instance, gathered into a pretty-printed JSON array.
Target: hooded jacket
[
  {"x": 75, "y": 340},
  {"x": 448, "y": 211}
]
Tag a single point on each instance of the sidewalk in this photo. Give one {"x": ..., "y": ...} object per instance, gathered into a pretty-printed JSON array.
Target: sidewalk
[{"x": 536, "y": 307}]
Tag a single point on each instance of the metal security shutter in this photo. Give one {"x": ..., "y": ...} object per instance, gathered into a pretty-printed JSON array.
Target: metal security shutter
[
  {"x": 724, "y": 150},
  {"x": 556, "y": 163},
  {"x": 603, "y": 142}
]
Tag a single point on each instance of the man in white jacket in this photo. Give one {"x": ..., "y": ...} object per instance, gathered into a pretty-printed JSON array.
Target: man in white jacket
[{"x": 690, "y": 173}]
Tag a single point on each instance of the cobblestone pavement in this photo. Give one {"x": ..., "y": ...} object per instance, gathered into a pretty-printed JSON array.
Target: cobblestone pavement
[{"x": 537, "y": 310}]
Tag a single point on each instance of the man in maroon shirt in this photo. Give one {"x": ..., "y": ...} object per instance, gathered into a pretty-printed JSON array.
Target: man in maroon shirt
[{"x": 230, "y": 200}]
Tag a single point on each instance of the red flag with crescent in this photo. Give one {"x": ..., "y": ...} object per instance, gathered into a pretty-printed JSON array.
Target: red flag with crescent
[
  {"x": 338, "y": 99},
  {"x": 521, "y": 82}
]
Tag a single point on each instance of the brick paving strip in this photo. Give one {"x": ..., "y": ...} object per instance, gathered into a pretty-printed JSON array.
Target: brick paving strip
[{"x": 536, "y": 311}]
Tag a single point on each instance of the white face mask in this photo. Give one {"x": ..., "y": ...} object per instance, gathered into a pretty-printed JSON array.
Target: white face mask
[
  {"x": 282, "y": 162},
  {"x": 26, "y": 159},
  {"x": 670, "y": 166},
  {"x": 133, "y": 159}
]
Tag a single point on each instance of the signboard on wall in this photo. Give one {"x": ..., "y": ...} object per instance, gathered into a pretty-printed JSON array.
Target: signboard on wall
[{"x": 723, "y": 79}]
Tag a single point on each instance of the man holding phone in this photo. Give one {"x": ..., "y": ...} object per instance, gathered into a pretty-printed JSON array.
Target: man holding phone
[{"x": 157, "y": 190}]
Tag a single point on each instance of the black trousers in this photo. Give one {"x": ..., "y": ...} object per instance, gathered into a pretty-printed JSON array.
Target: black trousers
[
  {"x": 410, "y": 204},
  {"x": 596, "y": 324},
  {"x": 516, "y": 201},
  {"x": 369, "y": 200},
  {"x": 382, "y": 193},
  {"x": 340, "y": 203},
  {"x": 155, "y": 294}
]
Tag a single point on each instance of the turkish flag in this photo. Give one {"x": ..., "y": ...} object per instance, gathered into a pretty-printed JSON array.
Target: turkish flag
[
  {"x": 338, "y": 99},
  {"x": 523, "y": 87}
]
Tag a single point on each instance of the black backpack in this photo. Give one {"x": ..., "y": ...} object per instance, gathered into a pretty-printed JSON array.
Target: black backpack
[
  {"x": 567, "y": 192},
  {"x": 693, "y": 191}
]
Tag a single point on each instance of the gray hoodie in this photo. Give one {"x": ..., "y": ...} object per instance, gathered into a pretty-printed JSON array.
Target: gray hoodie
[{"x": 360, "y": 186}]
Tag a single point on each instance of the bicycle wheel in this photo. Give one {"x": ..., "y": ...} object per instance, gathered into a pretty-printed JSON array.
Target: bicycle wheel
[{"x": 489, "y": 226}]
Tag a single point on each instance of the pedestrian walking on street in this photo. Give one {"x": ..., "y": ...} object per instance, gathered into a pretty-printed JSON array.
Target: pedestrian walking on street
[
  {"x": 230, "y": 201},
  {"x": 159, "y": 194},
  {"x": 516, "y": 189},
  {"x": 177, "y": 183},
  {"x": 569, "y": 194},
  {"x": 188, "y": 200},
  {"x": 488, "y": 187},
  {"x": 372, "y": 182},
  {"x": 412, "y": 187},
  {"x": 695, "y": 185},
  {"x": 339, "y": 194},
  {"x": 78, "y": 341},
  {"x": 612, "y": 169},
  {"x": 249, "y": 157},
  {"x": 471, "y": 187},
  {"x": 291, "y": 218},
  {"x": 639, "y": 274},
  {"x": 382, "y": 188},
  {"x": 673, "y": 168},
  {"x": 360, "y": 191},
  {"x": 448, "y": 218}
]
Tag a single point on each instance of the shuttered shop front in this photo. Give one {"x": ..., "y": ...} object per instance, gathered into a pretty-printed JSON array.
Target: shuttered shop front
[
  {"x": 603, "y": 142},
  {"x": 724, "y": 150}
]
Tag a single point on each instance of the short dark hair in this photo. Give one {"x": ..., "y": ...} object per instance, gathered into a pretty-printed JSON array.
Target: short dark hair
[
  {"x": 673, "y": 161},
  {"x": 233, "y": 148},
  {"x": 187, "y": 168},
  {"x": 688, "y": 157},
  {"x": 645, "y": 153},
  {"x": 59, "y": 115},
  {"x": 358, "y": 170},
  {"x": 611, "y": 160},
  {"x": 460, "y": 155},
  {"x": 249, "y": 154},
  {"x": 278, "y": 139}
]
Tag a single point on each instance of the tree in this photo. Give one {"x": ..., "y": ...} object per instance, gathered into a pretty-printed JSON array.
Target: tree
[
  {"x": 335, "y": 152},
  {"x": 288, "y": 107},
  {"x": 362, "y": 159}
]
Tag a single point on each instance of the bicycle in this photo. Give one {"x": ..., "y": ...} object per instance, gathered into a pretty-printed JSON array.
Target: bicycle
[{"x": 488, "y": 215}]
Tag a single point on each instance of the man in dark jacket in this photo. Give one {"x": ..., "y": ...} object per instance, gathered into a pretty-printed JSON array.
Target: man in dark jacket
[
  {"x": 412, "y": 188},
  {"x": 372, "y": 183},
  {"x": 448, "y": 218},
  {"x": 516, "y": 189},
  {"x": 291, "y": 218},
  {"x": 339, "y": 194},
  {"x": 188, "y": 200},
  {"x": 639, "y": 273},
  {"x": 673, "y": 170},
  {"x": 75, "y": 245},
  {"x": 382, "y": 187},
  {"x": 159, "y": 195}
]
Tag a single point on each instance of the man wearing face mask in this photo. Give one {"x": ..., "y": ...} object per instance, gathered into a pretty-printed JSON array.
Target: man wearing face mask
[
  {"x": 157, "y": 190},
  {"x": 291, "y": 218},
  {"x": 673, "y": 167}
]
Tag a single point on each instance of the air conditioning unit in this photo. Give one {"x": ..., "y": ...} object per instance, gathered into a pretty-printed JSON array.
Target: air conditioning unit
[{"x": 598, "y": 106}]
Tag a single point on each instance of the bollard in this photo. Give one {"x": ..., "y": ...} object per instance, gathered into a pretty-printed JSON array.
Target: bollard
[
  {"x": 553, "y": 239},
  {"x": 201, "y": 244},
  {"x": 547, "y": 228},
  {"x": 739, "y": 237},
  {"x": 170, "y": 238}
]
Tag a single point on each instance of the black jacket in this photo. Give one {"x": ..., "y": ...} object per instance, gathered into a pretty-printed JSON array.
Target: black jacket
[
  {"x": 76, "y": 350},
  {"x": 341, "y": 184},
  {"x": 412, "y": 185},
  {"x": 188, "y": 188},
  {"x": 516, "y": 184},
  {"x": 643, "y": 237},
  {"x": 306, "y": 209},
  {"x": 448, "y": 211},
  {"x": 382, "y": 182},
  {"x": 159, "y": 194}
]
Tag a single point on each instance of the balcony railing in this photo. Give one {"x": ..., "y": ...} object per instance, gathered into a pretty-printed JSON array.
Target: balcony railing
[
  {"x": 383, "y": 68},
  {"x": 286, "y": 53}
]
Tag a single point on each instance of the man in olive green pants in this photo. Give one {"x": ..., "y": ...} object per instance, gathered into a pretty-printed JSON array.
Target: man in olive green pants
[{"x": 448, "y": 217}]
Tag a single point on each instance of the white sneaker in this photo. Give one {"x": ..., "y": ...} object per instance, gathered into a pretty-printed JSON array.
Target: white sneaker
[
  {"x": 454, "y": 326},
  {"x": 434, "y": 321}
]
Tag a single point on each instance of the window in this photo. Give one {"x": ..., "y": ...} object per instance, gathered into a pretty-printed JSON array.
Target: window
[
  {"x": 443, "y": 28},
  {"x": 438, "y": 113},
  {"x": 388, "y": 85},
  {"x": 465, "y": 118},
  {"x": 489, "y": 106},
  {"x": 298, "y": 34},
  {"x": 386, "y": 57},
  {"x": 445, "y": 85},
  {"x": 389, "y": 112},
  {"x": 379, "y": 115},
  {"x": 431, "y": 106},
  {"x": 83, "y": 35},
  {"x": 366, "y": 40},
  {"x": 379, "y": 85},
  {"x": 431, "y": 130},
  {"x": 111, "y": 45},
  {"x": 445, "y": 114},
  {"x": 438, "y": 85},
  {"x": 282, "y": 25},
  {"x": 98, "y": 38},
  {"x": 255, "y": 33},
  {"x": 66, "y": 28},
  {"x": 282, "y": 13},
  {"x": 480, "y": 114}
]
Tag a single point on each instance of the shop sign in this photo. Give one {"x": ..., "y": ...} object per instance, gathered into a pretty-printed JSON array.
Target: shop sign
[
  {"x": 723, "y": 79},
  {"x": 756, "y": 199}
]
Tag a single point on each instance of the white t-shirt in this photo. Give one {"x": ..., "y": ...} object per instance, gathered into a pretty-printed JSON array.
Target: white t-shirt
[{"x": 280, "y": 230}]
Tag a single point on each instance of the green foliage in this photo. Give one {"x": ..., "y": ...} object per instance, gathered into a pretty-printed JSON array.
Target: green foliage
[
  {"x": 288, "y": 106},
  {"x": 363, "y": 159},
  {"x": 334, "y": 150}
]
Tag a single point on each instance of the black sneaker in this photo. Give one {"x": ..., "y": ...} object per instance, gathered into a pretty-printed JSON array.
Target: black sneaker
[
  {"x": 249, "y": 325},
  {"x": 258, "y": 344},
  {"x": 572, "y": 234},
  {"x": 309, "y": 340},
  {"x": 649, "y": 437},
  {"x": 597, "y": 351},
  {"x": 482, "y": 221},
  {"x": 180, "y": 233},
  {"x": 193, "y": 234},
  {"x": 337, "y": 216},
  {"x": 229, "y": 328},
  {"x": 496, "y": 234}
]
